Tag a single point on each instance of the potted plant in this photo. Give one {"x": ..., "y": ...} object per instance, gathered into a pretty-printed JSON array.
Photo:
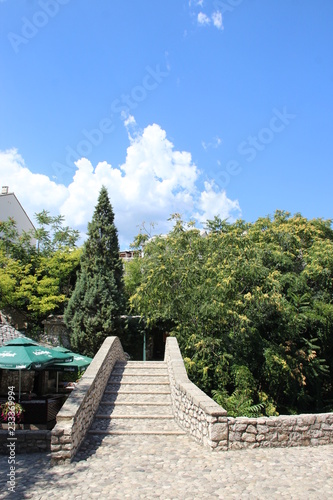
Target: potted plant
[{"x": 11, "y": 413}]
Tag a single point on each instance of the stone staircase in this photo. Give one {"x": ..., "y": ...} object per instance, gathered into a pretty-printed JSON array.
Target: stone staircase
[{"x": 136, "y": 401}]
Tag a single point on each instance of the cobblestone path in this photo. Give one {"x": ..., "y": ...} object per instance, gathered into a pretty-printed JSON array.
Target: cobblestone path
[
  {"x": 173, "y": 467},
  {"x": 128, "y": 456}
]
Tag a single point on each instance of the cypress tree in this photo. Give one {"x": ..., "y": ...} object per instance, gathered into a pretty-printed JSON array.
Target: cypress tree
[{"x": 94, "y": 309}]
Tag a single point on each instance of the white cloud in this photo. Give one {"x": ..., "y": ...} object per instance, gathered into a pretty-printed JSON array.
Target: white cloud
[
  {"x": 196, "y": 2},
  {"x": 154, "y": 181},
  {"x": 128, "y": 119},
  {"x": 217, "y": 20},
  {"x": 215, "y": 202},
  {"x": 203, "y": 19},
  {"x": 214, "y": 143},
  {"x": 34, "y": 191}
]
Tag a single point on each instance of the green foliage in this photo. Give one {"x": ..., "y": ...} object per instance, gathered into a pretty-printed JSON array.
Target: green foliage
[
  {"x": 257, "y": 296},
  {"x": 52, "y": 235},
  {"x": 132, "y": 276},
  {"x": 94, "y": 309},
  {"x": 238, "y": 404},
  {"x": 37, "y": 280},
  {"x": 131, "y": 336}
]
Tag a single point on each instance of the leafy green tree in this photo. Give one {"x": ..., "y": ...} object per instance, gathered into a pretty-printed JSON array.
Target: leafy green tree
[
  {"x": 38, "y": 280},
  {"x": 94, "y": 309},
  {"x": 132, "y": 275},
  {"x": 52, "y": 235},
  {"x": 253, "y": 299}
]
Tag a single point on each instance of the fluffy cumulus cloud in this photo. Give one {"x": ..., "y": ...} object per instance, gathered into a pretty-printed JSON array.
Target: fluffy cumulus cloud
[
  {"x": 217, "y": 20},
  {"x": 34, "y": 191},
  {"x": 203, "y": 19},
  {"x": 154, "y": 181},
  {"x": 214, "y": 202}
]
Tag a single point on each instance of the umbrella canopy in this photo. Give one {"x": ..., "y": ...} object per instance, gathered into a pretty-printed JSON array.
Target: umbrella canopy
[
  {"x": 79, "y": 363},
  {"x": 23, "y": 353}
]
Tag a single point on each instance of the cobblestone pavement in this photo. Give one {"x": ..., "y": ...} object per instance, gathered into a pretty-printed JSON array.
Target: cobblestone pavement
[{"x": 173, "y": 467}]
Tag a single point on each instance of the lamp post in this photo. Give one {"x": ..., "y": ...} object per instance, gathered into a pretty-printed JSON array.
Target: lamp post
[{"x": 144, "y": 346}]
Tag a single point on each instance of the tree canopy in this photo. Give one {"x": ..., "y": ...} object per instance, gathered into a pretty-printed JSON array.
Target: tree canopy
[
  {"x": 37, "y": 280},
  {"x": 252, "y": 307},
  {"x": 94, "y": 309}
]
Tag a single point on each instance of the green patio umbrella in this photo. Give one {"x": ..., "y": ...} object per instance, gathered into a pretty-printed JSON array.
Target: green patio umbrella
[
  {"x": 79, "y": 364},
  {"x": 23, "y": 353}
]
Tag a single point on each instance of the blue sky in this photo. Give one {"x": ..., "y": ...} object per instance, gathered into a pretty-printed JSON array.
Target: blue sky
[{"x": 198, "y": 107}]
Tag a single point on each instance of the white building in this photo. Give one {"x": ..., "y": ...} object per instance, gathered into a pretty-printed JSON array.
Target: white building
[{"x": 11, "y": 207}]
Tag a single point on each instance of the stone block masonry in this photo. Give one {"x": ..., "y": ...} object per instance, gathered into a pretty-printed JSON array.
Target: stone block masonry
[
  {"x": 194, "y": 411},
  {"x": 282, "y": 431},
  {"x": 26, "y": 441},
  {"x": 77, "y": 414},
  {"x": 208, "y": 423}
]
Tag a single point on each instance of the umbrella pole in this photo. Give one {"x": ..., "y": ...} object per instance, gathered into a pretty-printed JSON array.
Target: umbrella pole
[
  {"x": 20, "y": 375},
  {"x": 57, "y": 386}
]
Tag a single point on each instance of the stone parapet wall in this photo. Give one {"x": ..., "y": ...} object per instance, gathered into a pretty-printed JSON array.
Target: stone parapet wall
[
  {"x": 26, "y": 441},
  {"x": 77, "y": 414},
  {"x": 282, "y": 431},
  {"x": 194, "y": 411},
  {"x": 208, "y": 423},
  {"x": 56, "y": 332}
]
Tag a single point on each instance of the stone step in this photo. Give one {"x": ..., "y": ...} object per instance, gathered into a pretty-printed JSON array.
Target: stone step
[
  {"x": 135, "y": 416},
  {"x": 141, "y": 371},
  {"x": 141, "y": 365},
  {"x": 136, "y": 401},
  {"x": 137, "y": 388},
  {"x": 135, "y": 375},
  {"x": 146, "y": 363},
  {"x": 175, "y": 432},
  {"x": 136, "y": 384},
  {"x": 134, "y": 424},
  {"x": 132, "y": 409},
  {"x": 128, "y": 378},
  {"x": 143, "y": 397}
]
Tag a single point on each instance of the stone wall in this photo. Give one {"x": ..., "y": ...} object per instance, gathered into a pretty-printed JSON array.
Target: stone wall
[
  {"x": 77, "y": 414},
  {"x": 194, "y": 411},
  {"x": 55, "y": 332},
  {"x": 26, "y": 441},
  {"x": 282, "y": 431},
  {"x": 208, "y": 423}
]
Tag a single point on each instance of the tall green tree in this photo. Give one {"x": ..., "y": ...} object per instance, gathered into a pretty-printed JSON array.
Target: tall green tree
[
  {"x": 248, "y": 303},
  {"x": 94, "y": 309}
]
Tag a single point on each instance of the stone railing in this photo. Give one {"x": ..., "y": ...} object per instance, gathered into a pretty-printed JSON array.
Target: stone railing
[
  {"x": 194, "y": 411},
  {"x": 77, "y": 414},
  {"x": 208, "y": 423}
]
